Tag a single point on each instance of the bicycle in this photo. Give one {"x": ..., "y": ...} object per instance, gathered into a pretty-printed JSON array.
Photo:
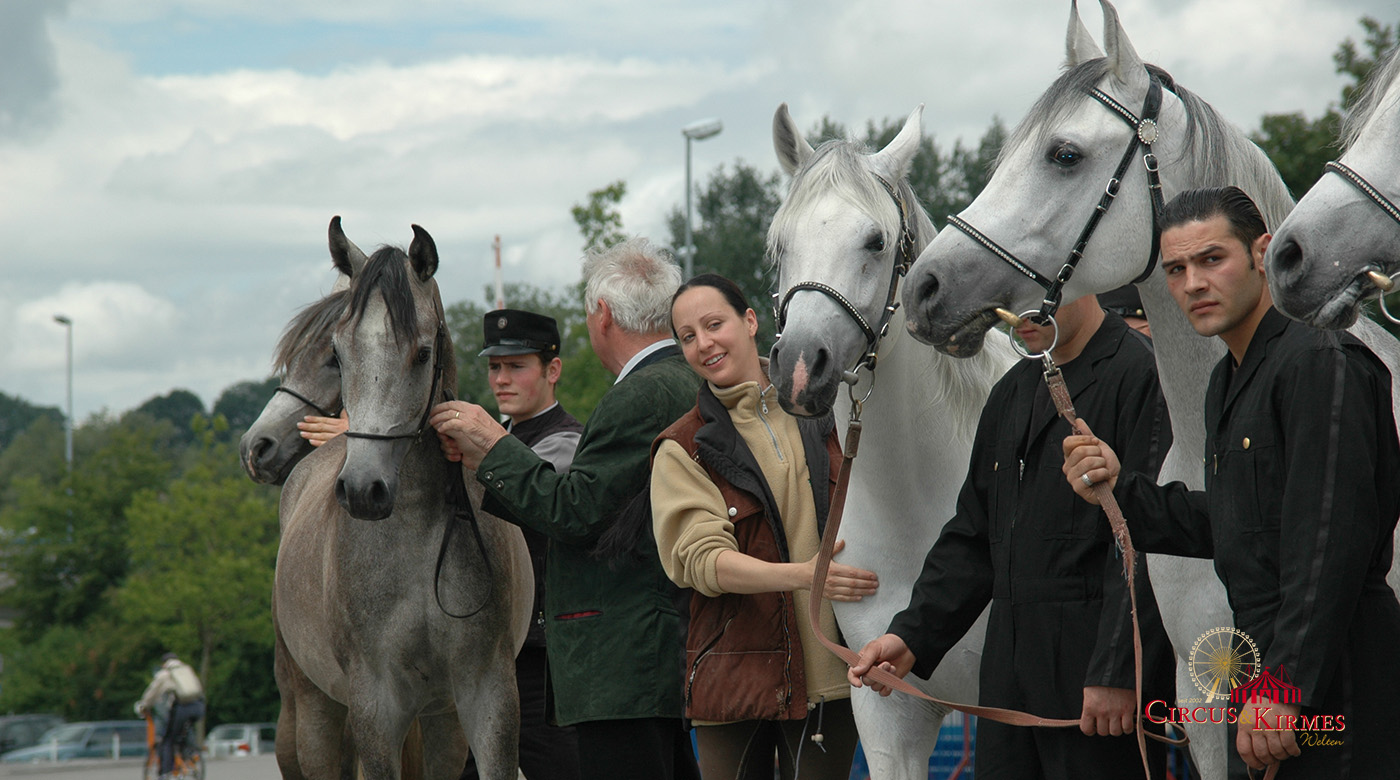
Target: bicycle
[{"x": 189, "y": 757}]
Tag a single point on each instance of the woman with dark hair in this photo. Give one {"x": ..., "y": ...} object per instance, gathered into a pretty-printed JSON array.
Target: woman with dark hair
[{"x": 740, "y": 490}]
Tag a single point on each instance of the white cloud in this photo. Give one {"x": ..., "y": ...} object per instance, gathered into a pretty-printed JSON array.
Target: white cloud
[{"x": 209, "y": 193}]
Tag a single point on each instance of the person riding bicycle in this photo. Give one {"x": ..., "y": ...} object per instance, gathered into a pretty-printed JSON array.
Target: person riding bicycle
[{"x": 175, "y": 684}]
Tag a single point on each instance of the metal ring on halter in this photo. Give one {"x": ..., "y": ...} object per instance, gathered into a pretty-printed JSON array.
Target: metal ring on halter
[
  {"x": 1385, "y": 311},
  {"x": 1022, "y": 351}
]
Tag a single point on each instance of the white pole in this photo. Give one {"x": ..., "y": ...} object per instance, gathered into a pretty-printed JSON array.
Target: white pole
[{"x": 500, "y": 280}]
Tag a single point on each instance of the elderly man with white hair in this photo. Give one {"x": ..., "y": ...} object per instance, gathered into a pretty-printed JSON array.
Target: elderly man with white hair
[{"x": 614, "y": 629}]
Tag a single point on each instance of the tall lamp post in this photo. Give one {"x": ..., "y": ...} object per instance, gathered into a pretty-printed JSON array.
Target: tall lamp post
[
  {"x": 68, "y": 423},
  {"x": 695, "y": 131}
]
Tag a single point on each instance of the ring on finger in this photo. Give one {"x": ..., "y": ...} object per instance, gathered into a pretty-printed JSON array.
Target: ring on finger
[{"x": 1088, "y": 483}]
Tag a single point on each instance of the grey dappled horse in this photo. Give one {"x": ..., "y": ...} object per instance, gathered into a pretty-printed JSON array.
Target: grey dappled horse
[
  {"x": 841, "y": 225},
  {"x": 310, "y": 378},
  {"x": 365, "y": 643}
]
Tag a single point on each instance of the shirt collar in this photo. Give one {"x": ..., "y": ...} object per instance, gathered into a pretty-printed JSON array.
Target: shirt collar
[
  {"x": 641, "y": 355},
  {"x": 510, "y": 421}
]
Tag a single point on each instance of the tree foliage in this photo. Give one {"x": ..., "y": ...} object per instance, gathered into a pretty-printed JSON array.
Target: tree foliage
[
  {"x": 241, "y": 403},
  {"x": 1300, "y": 147},
  {"x": 599, "y": 220}
]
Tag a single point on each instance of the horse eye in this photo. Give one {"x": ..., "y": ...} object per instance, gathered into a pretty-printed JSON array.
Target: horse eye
[
  {"x": 424, "y": 354},
  {"x": 334, "y": 361},
  {"x": 876, "y": 243},
  {"x": 1065, "y": 155}
]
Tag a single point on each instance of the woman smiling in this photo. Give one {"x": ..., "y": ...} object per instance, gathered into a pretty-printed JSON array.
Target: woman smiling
[{"x": 739, "y": 492}]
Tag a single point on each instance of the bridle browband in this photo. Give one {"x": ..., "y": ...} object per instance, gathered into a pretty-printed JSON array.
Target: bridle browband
[
  {"x": 1144, "y": 135},
  {"x": 904, "y": 257},
  {"x": 307, "y": 401},
  {"x": 1365, "y": 188}
]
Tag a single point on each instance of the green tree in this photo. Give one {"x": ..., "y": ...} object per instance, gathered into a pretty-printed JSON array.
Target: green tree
[
  {"x": 1300, "y": 147},
  {"x": 65, "y": 543},
  {"x": 735, "y": 208},
  {"x": 37, "y": 453},
  {"x": 202, "y": 551},
  {"x": 177, "y": 407},
  {"x": 599, "y": 220},
  {"x": 241, "y": 403},
  {"x": 17, "y": 414}
]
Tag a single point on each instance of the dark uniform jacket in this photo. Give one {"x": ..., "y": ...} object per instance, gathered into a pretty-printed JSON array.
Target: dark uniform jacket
[
  {"x": 743, "y": 653},
  {"x": 1302, "y": 493},
  {"x": 553, "y": 435},
  {"x": 614, "y": 633},
  {"x": 1060, "y": 616}
]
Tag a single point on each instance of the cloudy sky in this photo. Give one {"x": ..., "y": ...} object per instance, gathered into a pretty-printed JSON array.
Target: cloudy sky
[{"x": 168, "y": 167}]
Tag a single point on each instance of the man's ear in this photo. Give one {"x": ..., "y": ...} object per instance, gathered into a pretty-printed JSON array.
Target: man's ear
[
  {"x": 1257, "y": 250},
  {"x": 605, "y": 318},
  {"x": 553, "y": 370}
]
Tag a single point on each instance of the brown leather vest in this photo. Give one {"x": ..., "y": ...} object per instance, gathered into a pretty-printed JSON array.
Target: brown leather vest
[{"x": 743, "y": 655}]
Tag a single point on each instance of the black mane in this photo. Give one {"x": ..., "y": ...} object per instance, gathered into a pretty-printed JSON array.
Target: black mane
[{"x": 386, "y": 271}]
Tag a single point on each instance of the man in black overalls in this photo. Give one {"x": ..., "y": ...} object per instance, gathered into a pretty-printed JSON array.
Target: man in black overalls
[
  {"x": 522, "y": 350},
  {"x": 1059, "y": 639},
  {"x": 1300, "y": 504}
]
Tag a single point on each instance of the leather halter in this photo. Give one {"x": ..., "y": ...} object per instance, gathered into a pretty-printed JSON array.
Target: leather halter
[
  {"x": 904, "y": 257},
  {"x": 1359, "y": 182},
  {"x": 307, "y": 401},
  {"x": 439, "y": 344},
  {"x": 1144, "y": 135}
]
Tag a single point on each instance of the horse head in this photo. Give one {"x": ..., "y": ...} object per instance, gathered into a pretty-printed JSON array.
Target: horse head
[
  {"x": 396, "y": 362},
  {"x": 310, "y": 377},
  {"x": 1049, "y": 183},
  {"x": 1321, "y": 260},
  {"x": 841, "y": 239}
]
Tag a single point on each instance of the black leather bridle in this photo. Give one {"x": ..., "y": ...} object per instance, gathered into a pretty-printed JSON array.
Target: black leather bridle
[
  {"x": 1365, "y": 188},
  {"x": 904, "y": 257},
  {"x": 1144, "y": 135},
  {"x": 307, "y": 401}
]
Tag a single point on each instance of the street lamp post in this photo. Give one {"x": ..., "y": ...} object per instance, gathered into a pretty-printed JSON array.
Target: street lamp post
[
  {"x": 695, "y": 131},
  {"x": 68, "y": 422}
]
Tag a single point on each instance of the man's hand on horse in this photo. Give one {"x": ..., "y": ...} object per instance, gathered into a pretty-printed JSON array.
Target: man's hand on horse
[
  {"x": 1261, "y": 737},
  {"x": 319, "y": 430},
  {"x": 1108, "y": 712},
  {"x": 1088, "y": 462},
  {"x": 471, "y": 429},
  {"x": 889, "y": 653}
]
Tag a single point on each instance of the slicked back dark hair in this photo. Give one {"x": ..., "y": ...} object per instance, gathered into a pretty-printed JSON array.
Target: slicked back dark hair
[
  {"x": 1231, "y": 202},
  {"x": 726, "y": 286}
]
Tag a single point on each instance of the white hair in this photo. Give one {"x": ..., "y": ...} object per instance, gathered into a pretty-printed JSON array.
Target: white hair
[{"x": 637, "y": 279}]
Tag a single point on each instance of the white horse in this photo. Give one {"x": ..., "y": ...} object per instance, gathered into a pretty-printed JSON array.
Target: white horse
[
  {"x": 1320, "y": 262},
  {"x": 841, "y": 226},
  {"x": 1051, "y": 174}
]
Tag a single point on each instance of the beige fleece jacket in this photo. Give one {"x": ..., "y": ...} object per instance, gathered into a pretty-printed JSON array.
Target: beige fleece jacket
[{"x": 692, "y": 523}]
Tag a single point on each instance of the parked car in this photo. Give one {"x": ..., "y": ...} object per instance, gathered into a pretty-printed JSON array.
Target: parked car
[
  {"x": 240, "y": 739},
  {"x": 21, "y": 731},
  {"x": 96, "y": 739}
]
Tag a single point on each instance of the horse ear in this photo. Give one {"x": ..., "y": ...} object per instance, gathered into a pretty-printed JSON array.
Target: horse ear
[
  {"x": 423, "y": 254},
  {"x": 1079, "y": 44},
  {"x": 793, "y": 150},
  {"x": 1123, "y": 60},
  {"x": 348, "y": 258},
  {"x": 894, "y": 159}
]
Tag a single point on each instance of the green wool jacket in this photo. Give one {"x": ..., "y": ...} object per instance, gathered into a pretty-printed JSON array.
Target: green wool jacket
[{"x": 614, "y": 632}]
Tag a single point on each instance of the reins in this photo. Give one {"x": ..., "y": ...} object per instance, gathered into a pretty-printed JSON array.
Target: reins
[
  {"x": 307, "y": 401},
  {"x": 457, "y": 497},
  {"x": 1145, "y": 134}
]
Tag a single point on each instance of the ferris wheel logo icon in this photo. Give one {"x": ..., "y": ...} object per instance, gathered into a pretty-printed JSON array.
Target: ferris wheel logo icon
[{"x": 1223, "y": 659}]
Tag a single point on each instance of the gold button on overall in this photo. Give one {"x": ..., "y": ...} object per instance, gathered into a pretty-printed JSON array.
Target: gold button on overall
[{"x": 1246, "y": 442}]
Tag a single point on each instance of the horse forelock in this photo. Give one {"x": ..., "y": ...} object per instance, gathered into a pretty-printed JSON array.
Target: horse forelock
[
  {"x": 386, "y": 272},
  {"x": 1369, "y": 102},
  {"x": 1215, "y": 152},
  {"x": 309, "y": 329},
  {"x": 843, "y": 168}
]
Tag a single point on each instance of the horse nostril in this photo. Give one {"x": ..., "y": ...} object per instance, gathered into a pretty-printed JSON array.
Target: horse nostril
[
  {"x": 1288, "y": 256},
  {"x": 340, "y": 492},
  {"x": 379, "y": 494},
  {"x": 927, "y": 287},
  {"x": 261, "y": 450},
  {"x": 819, "y": 363}
]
